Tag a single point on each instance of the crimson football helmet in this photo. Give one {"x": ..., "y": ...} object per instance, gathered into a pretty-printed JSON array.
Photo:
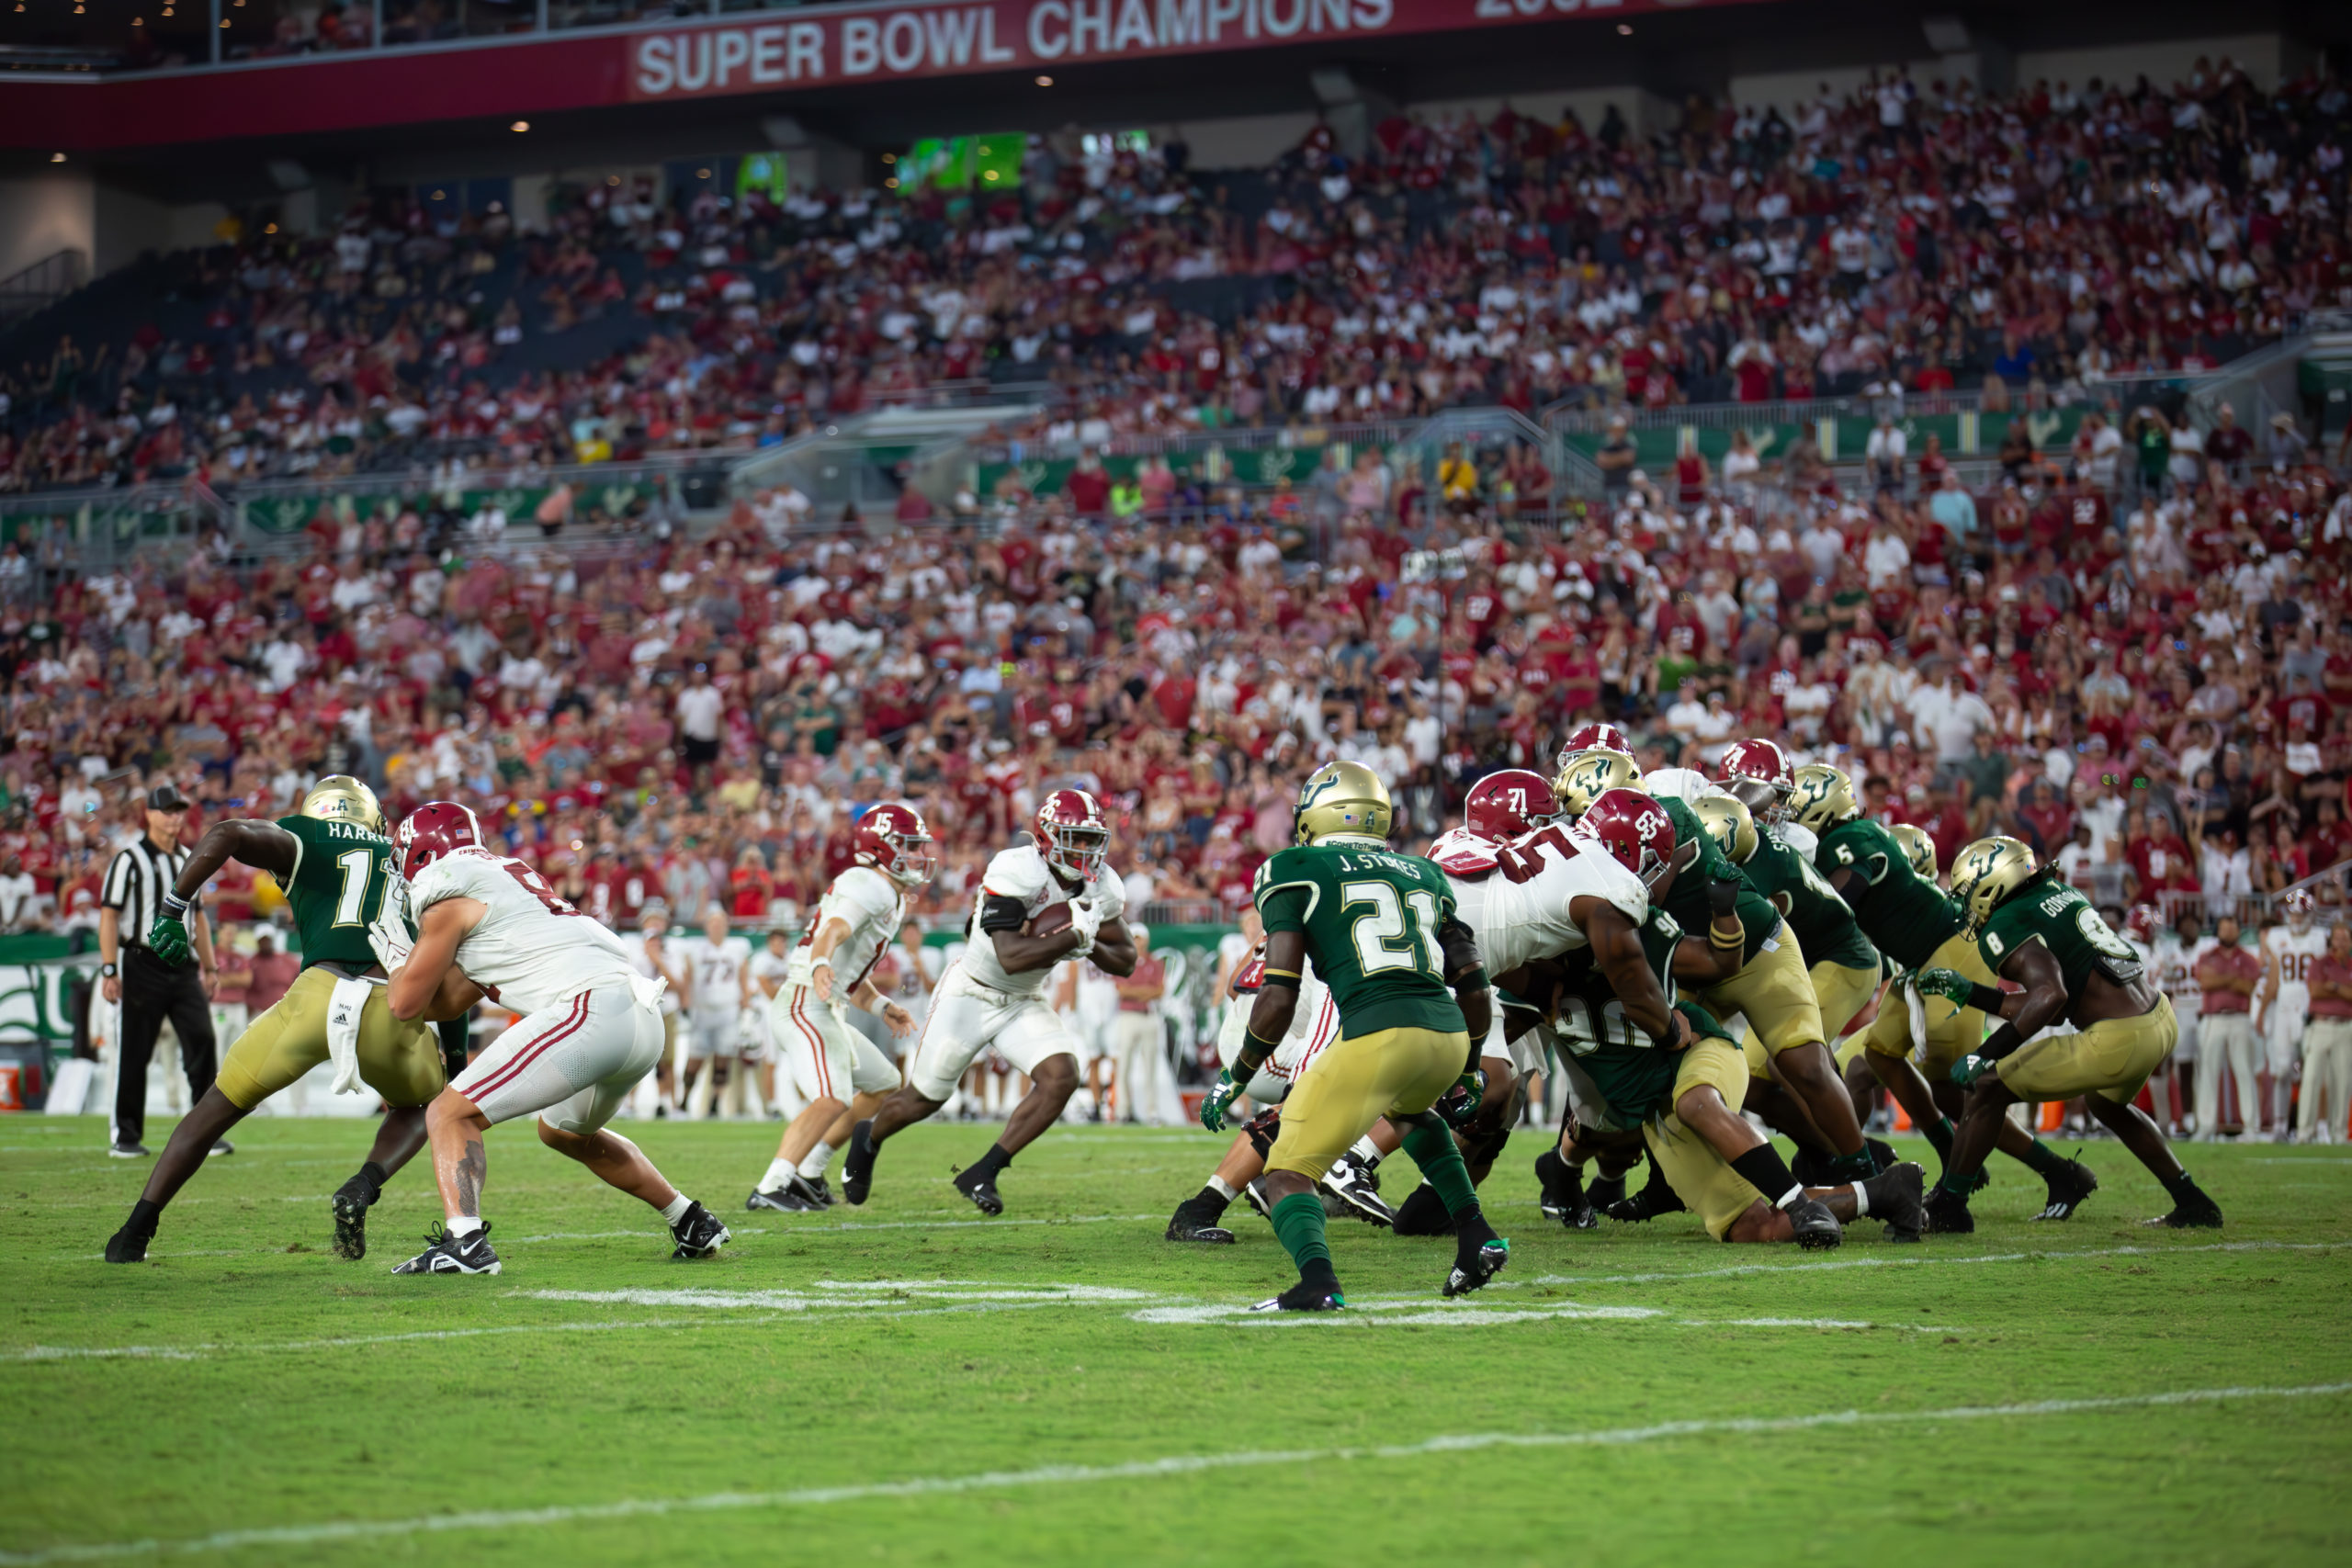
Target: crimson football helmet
[
  {"x": 432, "y": 830},
  {"x": 1757, "y": 773},
  {"x": 2299, "y": 905},
  {"x": 1594, "y": 737},
  {"x": 1072, "y": 834},
  {"x": 1506, "y": 804},
  {"x": 893, "y": 840},
  {"x": 2140, "y": 923},
  {"x": 1634, "y": 829}
]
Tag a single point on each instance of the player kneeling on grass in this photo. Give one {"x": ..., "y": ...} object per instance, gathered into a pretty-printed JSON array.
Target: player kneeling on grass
[
  {"x": 855, "y": 920},
  {"x": 2038, "y": 931},
  {"x": 337, "y": 870},
  {"x": 1404, "y": 976},
  {"x": 590, "y": 1028}
]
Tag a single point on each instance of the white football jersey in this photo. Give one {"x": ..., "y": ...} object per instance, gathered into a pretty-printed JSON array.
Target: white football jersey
[
  {"x": 2169, "y": 964},
  {"x": 713, "y": 973},
  {"x": 1680, "y": 783},
  {"x": 1021, "y": 874},
  {"x": 2294, "y": 952},
  {"x": 1314, "y": 1023},
  {"x": 1519, "y": 910},
  {"x": 633, "y": 943},
  {"x": 871, "y": 905},
  {"x": 532, "y": 948},
  {"x": 766, "y": 965},
  {"x": 1801, "y": 839}
]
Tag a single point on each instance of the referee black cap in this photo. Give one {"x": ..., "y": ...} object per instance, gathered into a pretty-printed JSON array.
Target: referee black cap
[{"x": 167, "y": 798}]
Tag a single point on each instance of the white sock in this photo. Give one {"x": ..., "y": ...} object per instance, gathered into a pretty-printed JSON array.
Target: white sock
[
  {"x": 1223, "y": 1189},
  {"x": 779, "y": 1172},
  {"x": 819, "y": 1160},
  {"x": 676, "y": 1207},
  {"x": 1366, "y": 1152},
  {"x": 1862, "y": 1200},
  {"x": 464, "y": 1224},
  {"x": 1794, "y": 1194}
]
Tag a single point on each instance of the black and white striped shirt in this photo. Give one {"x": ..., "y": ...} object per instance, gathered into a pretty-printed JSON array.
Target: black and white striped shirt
[{"x": 137, "y": 879}]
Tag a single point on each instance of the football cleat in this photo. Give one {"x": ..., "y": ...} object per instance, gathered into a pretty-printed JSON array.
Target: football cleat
[
  {"x": 1561, "y": 1192},
  {"x": 1898, "y": 1196},
  {"x": 1882, "y": 1154},
  {"x": 816, "y": 1188},
  {"x": 1422, "y": 1214},
  {"x": 1192, "y": 1223},
  {"x": 783, "y": 1201},
  {"x": 2070, "y": 1183},
  {"x": 1473, "y": 1266},
  {"x": 1817, "y": 1228},
  {"x": 128, "y": 1151},
  {"x": 219, "y": 1147},
  {"x": 1655, "y": 1199},
  {"x": 1357, "y": 1187},
  {"x": 977, "y": 1185},
  {"x": 1947, "y": 1214},
  {"x": 350, "y": 1205},
  {"x": 1304, "y": 1297},
  {"x": 857, "y": 1163},
  {"x": 2195, "y": 1211},
  {"x": 127, "y": 1245},
  {"x": 447, "y": 1254},
  {"x": 1254, "y": 1193},
  {"x": 698, "y": 1233}
]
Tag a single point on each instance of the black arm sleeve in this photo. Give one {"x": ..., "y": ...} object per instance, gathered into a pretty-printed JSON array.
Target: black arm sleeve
[
  {"x": 1460, "y": 947},
  {"x": 999, "y": 913}
]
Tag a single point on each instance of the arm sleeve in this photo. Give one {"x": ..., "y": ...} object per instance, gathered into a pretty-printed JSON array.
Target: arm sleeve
[
  {"x": 1459, "y": 944},
  {"x": 1000, "y": 913}
]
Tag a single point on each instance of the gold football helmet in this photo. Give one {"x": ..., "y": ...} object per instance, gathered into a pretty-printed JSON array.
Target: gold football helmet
[
  {"x": 1985, "y": 874},
  {"x": 1589, "y": 776},
  {"x": 1341, "y": 799},
  {"x": 1918, "y": 848},
  {"x": 339, "y": 797},
  {"x": 1824, "y": 797},
  {"x": 1729, "y": 823}
]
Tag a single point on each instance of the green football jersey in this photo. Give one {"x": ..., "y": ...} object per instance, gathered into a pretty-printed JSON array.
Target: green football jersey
[
  {"x": 1686, "y": 900},
  {"x": 2062, "y": 920},
  {"x": 1905, "y": 917},
  {"x": 1823, "y": 922},
  {"x": 1370, "y": 919},
  {"x": 1635, "y": 1076},
  {"x": 341, "y": 876}
]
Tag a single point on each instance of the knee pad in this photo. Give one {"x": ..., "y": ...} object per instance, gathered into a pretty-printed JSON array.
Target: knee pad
[{"x": 1263, "y": 1129}]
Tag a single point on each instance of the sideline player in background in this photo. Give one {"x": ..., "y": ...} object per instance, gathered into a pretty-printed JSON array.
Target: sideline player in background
[
  {"x": 2327, "y": 1043},
  {"x": 1138, "y": 1039},
  {"x": 654, "y": 956},
  {"x": 712, "y": 962},
  {"x": 2227, "y": 978},
  {"x": 336, "y": 866},
  {"x": 2289, "y": 951},
  {"x": 588, "y": 1030},
  {"x": 839, "y": 1073},
  {"x": 1380, "y": 930},
  {"x": 993, "y": 996}
]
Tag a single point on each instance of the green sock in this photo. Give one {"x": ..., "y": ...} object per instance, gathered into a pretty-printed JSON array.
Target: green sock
[
  {"x": 1298, "y": 1224},
  {"x": 1958, "y": 1186},
  {"x": 1939, "y": 1135},
  {"x": 2041, "y": 1158},
  {"x": 1440, "y": 1159},
  {"x": 1855, "y": 1167}
]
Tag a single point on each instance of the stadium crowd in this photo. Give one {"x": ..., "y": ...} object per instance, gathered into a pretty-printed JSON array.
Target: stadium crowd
[{"x": 1909, "y": 233}]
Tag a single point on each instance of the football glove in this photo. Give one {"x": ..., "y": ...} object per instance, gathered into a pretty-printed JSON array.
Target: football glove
[
  {"x": 1219, "y": 1100},
  {"x": 1949, "y": 984},
  {"x": 1086, "y": 920},
  {"x": 1723, "y": 894},
  {"x": 167, "y": 940},
  {"x": 1461, "y": 1103},
  {"x": 1971, "y": 1068}
]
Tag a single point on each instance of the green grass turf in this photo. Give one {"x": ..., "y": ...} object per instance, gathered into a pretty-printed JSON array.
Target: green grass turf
[{"x": 237, "y": 1418}]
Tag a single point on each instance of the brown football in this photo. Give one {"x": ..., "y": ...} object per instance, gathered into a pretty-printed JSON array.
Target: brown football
[{"x": 1051, "y": 919}]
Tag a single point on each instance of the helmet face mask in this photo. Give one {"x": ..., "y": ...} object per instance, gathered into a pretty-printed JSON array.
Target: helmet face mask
[
  {"x": 1072, "y": 835},
  {"x": 1589, "y": 776},
  {"x": 339, "y": 797},
  {"x": 1986, "y": 874},
  {"x": 1634, "y": 829},
  {"x": 1342, "y": 800},
  {"x": 1757, "y": 773},
  {"x": 1823, "y": 796},
  {"x": 892, "y": 840}
]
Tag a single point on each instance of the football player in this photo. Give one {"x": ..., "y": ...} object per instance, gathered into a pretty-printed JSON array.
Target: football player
[
  {"x": 834, "y": 965},
  {"x": 993, "y": 995},
  {"x": 1595, "y": 736},
  {"x": 1405, "y": 974},
  {"x": 589, "y": 1030},
  {"x": 336, "y": 868},
  {"x": 2289, "y": 951},
  {"x": 713, "y": 962},
  {"x": 2033, "y": 929},
  {"x": 1916, "y": 927}
]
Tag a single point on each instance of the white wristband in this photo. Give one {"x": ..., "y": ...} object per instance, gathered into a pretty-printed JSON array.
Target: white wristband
[{"x": 824, "y": 963}]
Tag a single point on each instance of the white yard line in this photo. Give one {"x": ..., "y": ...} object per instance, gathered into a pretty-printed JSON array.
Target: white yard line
[
  {"x": 1165, "y": 1467},
  {"x": 198, "y": 1352},
  {"x": 1918, "y": 1262}
]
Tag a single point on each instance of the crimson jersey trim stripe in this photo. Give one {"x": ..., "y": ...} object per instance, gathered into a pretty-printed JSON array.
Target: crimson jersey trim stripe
[{"x": 532, "y": 1050}]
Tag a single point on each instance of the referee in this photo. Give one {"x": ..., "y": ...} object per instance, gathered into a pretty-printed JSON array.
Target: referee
[{"x": 149, "y": 989}]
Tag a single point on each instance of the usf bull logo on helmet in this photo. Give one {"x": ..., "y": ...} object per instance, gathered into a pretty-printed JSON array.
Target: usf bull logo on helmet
[
  {"x": 1986, "y": 874},
  {"x": 1918, "y": 848},
  {"x": 1341, "y": 798},
  {"x": 1823, "y": 798},
  {"x": 1729, "y": 823},
  {"x": 1589, "y": 776},
  {"x": 339, "y": 797}
]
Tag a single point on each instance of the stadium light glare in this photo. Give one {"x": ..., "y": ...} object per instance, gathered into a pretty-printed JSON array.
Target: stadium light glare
[
  {"x": 53, "y": 157},
  {"x": 1624, "y": 29},
  {"x": 1044, "y": 80},
  {"x": 519, "y": 127}
]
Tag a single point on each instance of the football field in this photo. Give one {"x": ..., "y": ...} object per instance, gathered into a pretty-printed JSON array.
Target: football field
[{"x": 914, "y": 1383}]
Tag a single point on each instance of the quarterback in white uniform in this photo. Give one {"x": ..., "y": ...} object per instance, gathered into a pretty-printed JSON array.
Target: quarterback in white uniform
[
  {"x": 993, "y": 995},
  {"x": 836, "y": 1069},
  {"x": 589, "y": 1029},
  {"x": 2286, "y": 955}
]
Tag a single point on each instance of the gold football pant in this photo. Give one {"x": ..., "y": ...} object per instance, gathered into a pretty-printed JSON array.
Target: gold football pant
[
  {"x": 1952, "y": 1030},
  {"x": 400, "y": 1061},
  {"x": 1699, "y": 1176},
  {"x": 1354, "y": 1084},
  {"x": 2112, "y": 1058}
]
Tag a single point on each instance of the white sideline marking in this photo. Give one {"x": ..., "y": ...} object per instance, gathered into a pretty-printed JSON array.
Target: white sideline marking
[
  {"x": 1137, "y": 1470},
  {"x": 859, "y": 1297},
  {"x": 197, "y": 1352},
  {"x": 1739, "y": 1269}
]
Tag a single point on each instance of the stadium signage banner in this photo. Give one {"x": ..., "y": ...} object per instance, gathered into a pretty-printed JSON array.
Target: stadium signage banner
[{"x": 918, "y": 41}]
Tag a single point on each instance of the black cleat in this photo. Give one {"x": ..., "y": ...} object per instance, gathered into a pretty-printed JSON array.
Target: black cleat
[
  {"x": 350, "y": 1205},
  {"x": 1605, "y": 1191},
  {"x": 1652, "y": 1201},
  {"x": 1947, "y": 1214},
  {"x": 1561, "y": 1197},
  {"x": 980, "y": 1186},
  {"x": 1472, "y": 1267},
  {"x": 1254, "y": 1193},
  {"x": 1192, "y": 1222},
  {"x": 1882, "y": 1154},
  {"x": 783, "y": 1201},
  {"x": 1898, "y": 1196},
  {"x": 128, "y": 1151},
  {"x": 857, "y": 1163},
  {"x": 2069, "y": 1185},
  {"x": 815, "y": 1188},
  {"x": 446, "y": 1253},
  {"x": 1356, "y": 1189},
  {"x": 1304, "y": 1297},
  {"x": 2195, "y": 1211},
  {"x": 219, "y": 1147},
  {"x": 698, "y": 1233},
  {"x": 1422, "y": 1214},
  {"x": 1812, "y": 1169},
  {"x": 127, "y": 1245},
  {"x": 1817, "y": 1228}
]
